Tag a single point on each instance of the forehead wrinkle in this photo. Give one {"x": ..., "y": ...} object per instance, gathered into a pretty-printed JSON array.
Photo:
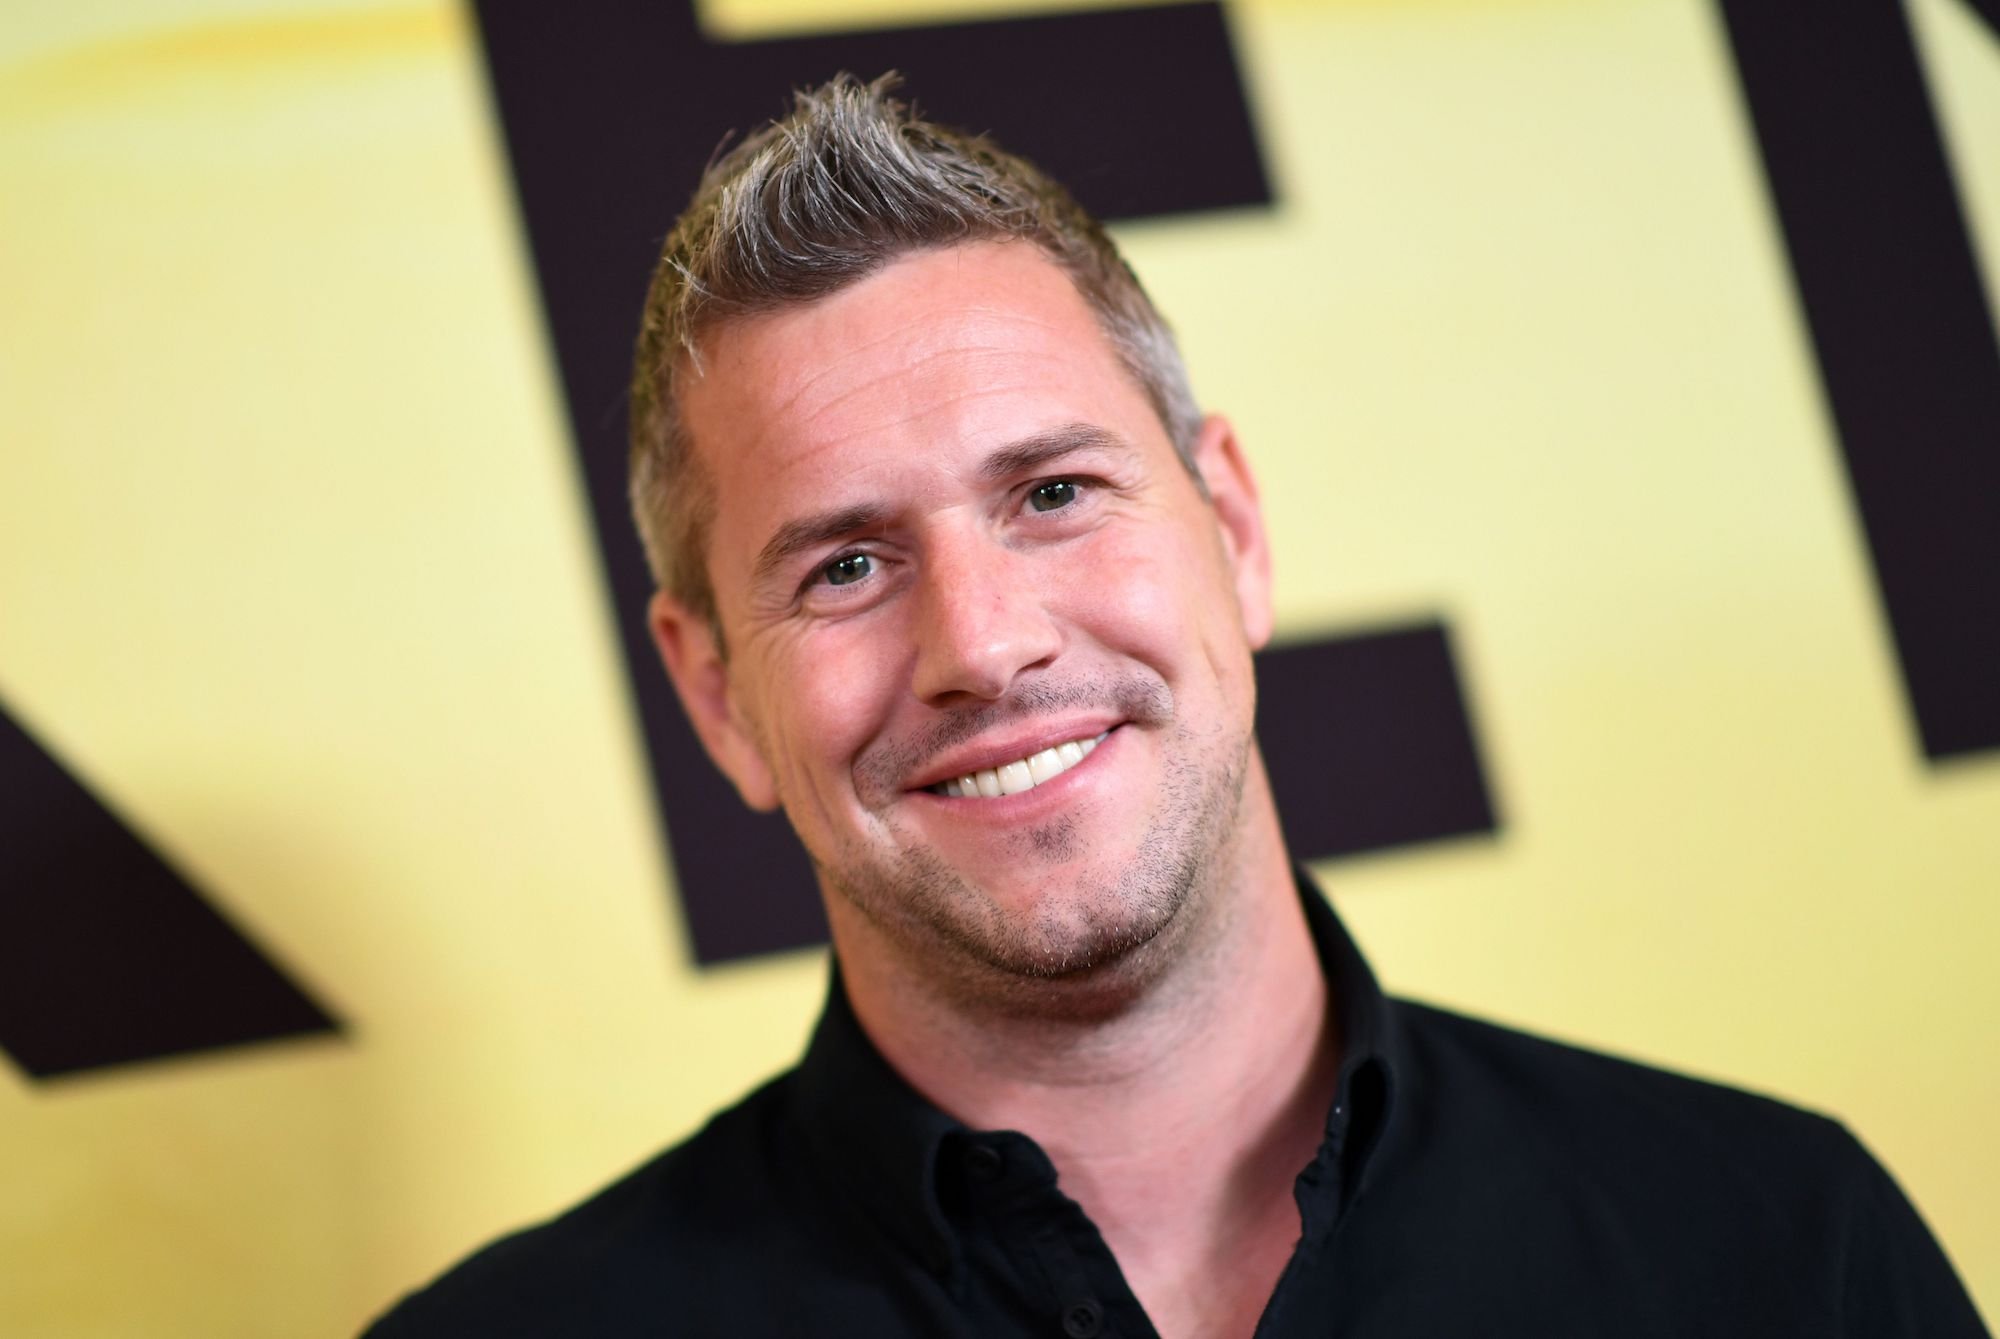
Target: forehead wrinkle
[
  {"x": 973, "y": 358},
  {"x": 996, "y": 342},
  {"x": 832, "y": 369}
]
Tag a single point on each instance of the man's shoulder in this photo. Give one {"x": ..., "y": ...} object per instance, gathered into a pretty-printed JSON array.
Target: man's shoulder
[
  {"x": 1701, "y": 1178},
  {"x": 654, "y": 1235},
  {"x": 1584, "y": 1101},
  {"x": 1518, "y": 1150}
]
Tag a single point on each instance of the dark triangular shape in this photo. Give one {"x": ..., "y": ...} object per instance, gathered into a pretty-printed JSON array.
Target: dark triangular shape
[{"x": 107, "y": 955}]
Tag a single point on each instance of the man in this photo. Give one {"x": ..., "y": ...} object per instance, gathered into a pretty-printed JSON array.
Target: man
[{"x": 954, "y": 573}]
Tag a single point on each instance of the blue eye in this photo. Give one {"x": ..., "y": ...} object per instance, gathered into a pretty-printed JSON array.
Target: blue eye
[
  {"x": 1052, "y": 495},
  {"x": 847, "y": 568}
]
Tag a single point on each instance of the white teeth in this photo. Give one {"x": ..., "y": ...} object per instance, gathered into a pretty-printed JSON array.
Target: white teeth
[
  {"x": 1044, "y": 766},
  {"x": 1021, "y": 774}
]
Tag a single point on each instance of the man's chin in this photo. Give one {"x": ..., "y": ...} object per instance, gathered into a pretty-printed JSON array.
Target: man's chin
[
  {"x": 1071, "y": 951},
  {"x": 1057, "y": 935}
]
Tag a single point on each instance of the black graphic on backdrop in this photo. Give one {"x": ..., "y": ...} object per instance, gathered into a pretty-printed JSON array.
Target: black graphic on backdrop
[
  {"x": 1369, "y": 743},
  {"x": 1890, "y": 285},
  {"x": 1140, "y": 111},
  {"x": 106, "y": 954}
]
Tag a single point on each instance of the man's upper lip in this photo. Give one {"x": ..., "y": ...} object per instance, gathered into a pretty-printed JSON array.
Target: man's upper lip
[{"x": 993, "y": 749}]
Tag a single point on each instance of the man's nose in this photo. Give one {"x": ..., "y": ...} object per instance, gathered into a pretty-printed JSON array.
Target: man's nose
[{"x": 983, "y": 617}]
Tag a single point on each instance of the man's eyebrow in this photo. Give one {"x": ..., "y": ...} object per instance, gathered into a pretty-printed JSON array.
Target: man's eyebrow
[
  {"x": 794, "y": 537},
  {"x": 1029, "y": 452}
]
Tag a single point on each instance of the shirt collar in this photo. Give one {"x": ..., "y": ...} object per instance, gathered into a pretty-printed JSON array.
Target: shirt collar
[
  {"x": 872, "y": 1133},
  {"x": 1371, "y": 1054},
  {"x": 880, "y": 1140}
]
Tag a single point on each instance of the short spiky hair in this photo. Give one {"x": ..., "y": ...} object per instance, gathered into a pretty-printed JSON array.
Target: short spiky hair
[{"x": 849, "y": 181}]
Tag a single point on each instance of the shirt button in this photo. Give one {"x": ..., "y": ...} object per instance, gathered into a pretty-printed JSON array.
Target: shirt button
[
  {"x": 984, "y": 1162},
  {"x": 1082, "y": 1319}
]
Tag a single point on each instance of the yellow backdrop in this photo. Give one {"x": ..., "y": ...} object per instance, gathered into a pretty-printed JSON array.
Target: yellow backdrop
[{"x": 295, "y": 572}]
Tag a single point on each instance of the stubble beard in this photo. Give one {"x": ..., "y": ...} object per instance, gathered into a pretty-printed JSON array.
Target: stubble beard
[{"x": 1092, "y": 947}]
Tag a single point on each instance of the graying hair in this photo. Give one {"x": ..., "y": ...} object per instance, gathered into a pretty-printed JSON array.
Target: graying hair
[{"x": 849, "y": 181}]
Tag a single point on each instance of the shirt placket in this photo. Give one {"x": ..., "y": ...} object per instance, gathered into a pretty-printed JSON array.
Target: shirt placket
[{"x": 1083, "y": 1293}]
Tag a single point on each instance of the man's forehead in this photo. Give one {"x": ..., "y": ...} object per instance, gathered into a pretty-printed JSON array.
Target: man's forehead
[
  {"x": 1007, "y": 296},
  {"x": 968, "y": 346}
]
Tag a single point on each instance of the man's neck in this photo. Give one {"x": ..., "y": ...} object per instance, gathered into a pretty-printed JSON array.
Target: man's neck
[{"x": 1179, "y": 1121}]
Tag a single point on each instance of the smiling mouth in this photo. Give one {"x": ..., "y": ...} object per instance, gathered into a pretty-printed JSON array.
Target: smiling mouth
[{"x": 1012, "y": 778}]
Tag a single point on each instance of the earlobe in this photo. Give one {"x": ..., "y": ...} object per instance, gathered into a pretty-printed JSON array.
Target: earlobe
[
  {"x": 1239, "y": 516},
  {"x": 700, "y": 675}
]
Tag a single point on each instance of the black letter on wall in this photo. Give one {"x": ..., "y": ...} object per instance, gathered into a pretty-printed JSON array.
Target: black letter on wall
[{"x": 1890, "y": 286}]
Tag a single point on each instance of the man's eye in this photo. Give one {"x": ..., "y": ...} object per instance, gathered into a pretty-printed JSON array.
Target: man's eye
[
  {"x": 847, "y": 568},
  {"x": 1051, "y": 495}
]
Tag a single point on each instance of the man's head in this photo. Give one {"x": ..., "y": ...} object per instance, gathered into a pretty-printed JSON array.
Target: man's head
[
  {"x": 989, "y": 607},
  {"x": 850, "y": 181}
]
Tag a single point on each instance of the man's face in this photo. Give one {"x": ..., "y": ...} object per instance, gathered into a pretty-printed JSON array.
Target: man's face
[{"x": 954, "y": 552}]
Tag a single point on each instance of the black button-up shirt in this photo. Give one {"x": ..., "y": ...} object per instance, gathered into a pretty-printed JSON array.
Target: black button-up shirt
[{"x": 1472, "y": 1181}]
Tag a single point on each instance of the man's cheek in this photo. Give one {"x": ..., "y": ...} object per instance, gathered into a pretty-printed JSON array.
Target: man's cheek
[
  {"x": 829, "y": 699},
  {"x": 1136, "y": 591}
]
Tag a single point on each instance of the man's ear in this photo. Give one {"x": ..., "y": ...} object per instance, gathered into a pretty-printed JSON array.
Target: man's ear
[
  {"x": 1232, "y": 490},
  {"x": 701, "y": 676}
]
